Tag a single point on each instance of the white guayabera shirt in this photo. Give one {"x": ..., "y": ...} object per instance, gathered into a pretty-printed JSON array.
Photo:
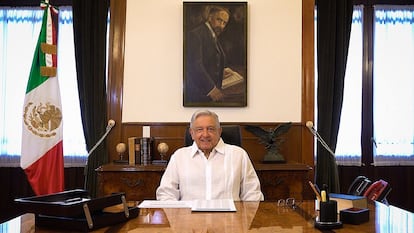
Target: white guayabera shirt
[{"x": 227, "y": 174}]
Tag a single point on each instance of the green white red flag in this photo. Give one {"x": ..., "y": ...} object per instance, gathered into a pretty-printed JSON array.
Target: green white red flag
[{"x": 42, "y": 136}]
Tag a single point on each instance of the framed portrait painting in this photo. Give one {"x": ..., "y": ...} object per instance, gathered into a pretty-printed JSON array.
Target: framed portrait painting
[{"x": 215, "y": 54}]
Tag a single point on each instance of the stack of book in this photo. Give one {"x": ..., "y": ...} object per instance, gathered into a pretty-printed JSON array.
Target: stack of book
[
  {"x": 140, "y": 150},
  {"x": 346, "y": 201},
  {"x": 134, "y": 150},
  {"x": 145, "y": 151}
]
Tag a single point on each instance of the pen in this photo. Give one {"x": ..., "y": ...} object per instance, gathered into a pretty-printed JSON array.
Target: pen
[
  {"x": 317, "y": 188},
  {"x": 323, "y": 195},
  {"x": 318, "y": 196},
  {"x": 325, "y": 187}
]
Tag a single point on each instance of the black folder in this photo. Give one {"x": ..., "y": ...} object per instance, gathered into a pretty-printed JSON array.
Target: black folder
[{"x": 75, "y": 210}]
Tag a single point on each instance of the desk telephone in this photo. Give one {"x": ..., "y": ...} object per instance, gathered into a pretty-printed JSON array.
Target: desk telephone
[
  {"x": 376, "y": 191},
  {"x": 359, "y": 185}
]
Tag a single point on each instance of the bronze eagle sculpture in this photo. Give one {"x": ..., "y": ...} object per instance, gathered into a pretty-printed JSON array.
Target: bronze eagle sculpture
[{"x": 271, "y": 139}]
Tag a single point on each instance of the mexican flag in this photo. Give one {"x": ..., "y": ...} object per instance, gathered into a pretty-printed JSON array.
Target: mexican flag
[{"x": 42, "y": 136}]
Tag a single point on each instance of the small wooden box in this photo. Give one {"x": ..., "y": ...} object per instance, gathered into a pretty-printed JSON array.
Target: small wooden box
[{"x": 354, "y": 215}]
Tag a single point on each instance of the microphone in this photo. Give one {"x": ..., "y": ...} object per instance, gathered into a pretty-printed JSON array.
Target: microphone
[
  {"x": 110, "y": 125},
  {"x": 309, "y": 125}
]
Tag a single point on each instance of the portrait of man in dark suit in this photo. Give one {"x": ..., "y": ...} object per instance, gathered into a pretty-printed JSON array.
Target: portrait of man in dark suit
[{"x": 215, "y": 54}]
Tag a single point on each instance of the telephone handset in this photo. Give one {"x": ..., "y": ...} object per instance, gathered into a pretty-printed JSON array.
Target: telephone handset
[
  {"x": 358, "y": 186},
  {"x": 378, "y": 191}
]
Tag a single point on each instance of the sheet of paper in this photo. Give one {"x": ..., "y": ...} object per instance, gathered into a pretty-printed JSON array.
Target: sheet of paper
[
  {"x": 231, "y": 79},
  {"x": 213, "y": 205},
  {"x": 164, "y": 204}
]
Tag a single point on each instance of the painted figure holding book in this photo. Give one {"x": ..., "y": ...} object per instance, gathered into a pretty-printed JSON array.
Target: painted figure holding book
[{"x": 206, "y": 70}]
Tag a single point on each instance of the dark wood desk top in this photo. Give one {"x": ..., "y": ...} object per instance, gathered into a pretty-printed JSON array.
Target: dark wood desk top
[{"x": 250, "y": 217}]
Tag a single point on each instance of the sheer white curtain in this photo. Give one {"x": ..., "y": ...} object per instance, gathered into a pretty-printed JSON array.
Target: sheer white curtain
[
  {"x": 394, "y": 86},
  {"x": 19, "y": 31},
  {"x": 348, "y": 149}
]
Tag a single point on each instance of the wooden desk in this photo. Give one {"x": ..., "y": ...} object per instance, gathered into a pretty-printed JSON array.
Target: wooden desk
[
  {"x": 250, "y": 217},
  {"x": 140, "y": 182}
]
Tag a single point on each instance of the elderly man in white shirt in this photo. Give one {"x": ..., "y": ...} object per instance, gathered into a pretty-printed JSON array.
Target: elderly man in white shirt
[{"x": 209, "y": 169}]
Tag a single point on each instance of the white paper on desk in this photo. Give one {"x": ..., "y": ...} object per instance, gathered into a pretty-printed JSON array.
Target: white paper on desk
[
  {"x": 213, "y": 205},
  {"x": 164, "y": 204}
]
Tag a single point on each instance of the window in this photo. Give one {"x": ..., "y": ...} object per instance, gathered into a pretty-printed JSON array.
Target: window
[
  {"x": 19, "y": 31},
  {"x": 393, "y": 85},
  {"x": 377, "y": 121}
]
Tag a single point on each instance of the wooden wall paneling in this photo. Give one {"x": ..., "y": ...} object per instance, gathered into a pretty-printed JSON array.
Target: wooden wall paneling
[
  {"x": 116, "y": 72},
  {"x": 290, "y": 147},
  {"x": 308, "y": 83},
  {"x": 308, "y": 88},
  {"x": 173, "y": 135}
]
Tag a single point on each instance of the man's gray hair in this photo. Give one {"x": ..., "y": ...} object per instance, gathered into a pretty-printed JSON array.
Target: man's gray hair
[
  {"x": 214, "y": 9},
  {"x": 199, "y": 113}
]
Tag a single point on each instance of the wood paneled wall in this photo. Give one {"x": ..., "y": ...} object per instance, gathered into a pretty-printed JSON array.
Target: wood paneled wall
[{"x": 173, "y": 135}]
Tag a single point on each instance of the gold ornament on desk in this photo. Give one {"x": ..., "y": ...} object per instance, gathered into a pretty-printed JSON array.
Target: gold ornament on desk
[
  {"x": 162, "y": 149},
  {"x": 120, "y": 149}
]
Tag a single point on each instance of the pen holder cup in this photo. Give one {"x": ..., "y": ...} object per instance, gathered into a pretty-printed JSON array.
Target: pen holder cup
[{"x": 328, "y": 211}]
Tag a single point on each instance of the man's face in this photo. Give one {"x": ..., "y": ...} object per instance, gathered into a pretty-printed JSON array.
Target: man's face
[
  {"x": 218, "y": 21},
  {"x": 205, "y": 133}
]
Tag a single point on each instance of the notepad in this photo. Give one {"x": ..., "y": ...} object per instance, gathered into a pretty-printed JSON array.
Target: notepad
[
  {"x": 224, "y": 205},
  {"x": 165, "y": 204}
]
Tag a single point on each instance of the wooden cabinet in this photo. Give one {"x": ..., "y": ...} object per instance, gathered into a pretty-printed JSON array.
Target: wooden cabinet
[
  {"x": 281, "y": 181},
  {"x": 140, "y": 182}
]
